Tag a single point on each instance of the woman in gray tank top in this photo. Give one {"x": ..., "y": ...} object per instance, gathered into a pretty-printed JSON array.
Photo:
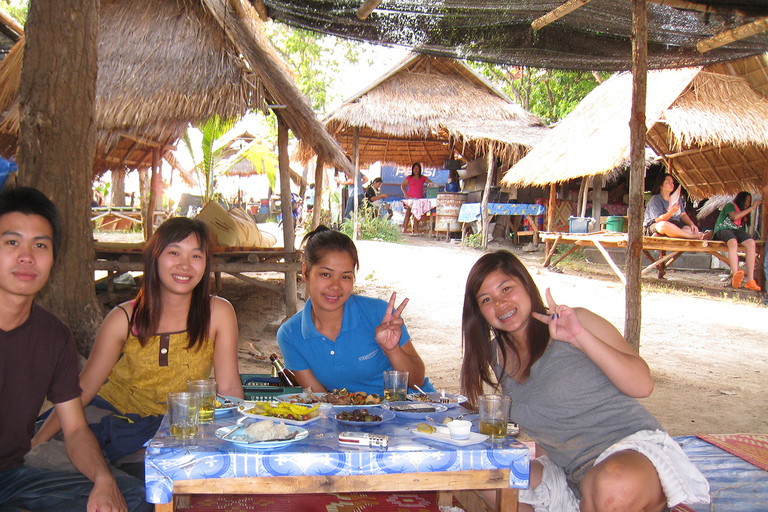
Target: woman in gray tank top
[{"x": 574, "y": 381}]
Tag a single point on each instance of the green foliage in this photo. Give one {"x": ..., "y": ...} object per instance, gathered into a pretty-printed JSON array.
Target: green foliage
[
  {"x": 372, "y": 226},
  {"x": 216, "y": 160},
  {"x": 474, "y": 240},
  {"x": 315, "y": 59},
  {"x": 17, "y": 9},
  {"x": 549, "y": 93}
]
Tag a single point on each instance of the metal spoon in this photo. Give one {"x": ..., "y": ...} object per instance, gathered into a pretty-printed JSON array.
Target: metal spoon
[{"x": 421, "y": 391}]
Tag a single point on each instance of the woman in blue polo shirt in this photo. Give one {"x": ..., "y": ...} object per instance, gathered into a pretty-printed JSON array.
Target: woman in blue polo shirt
[{"x": 342, "y": 340}]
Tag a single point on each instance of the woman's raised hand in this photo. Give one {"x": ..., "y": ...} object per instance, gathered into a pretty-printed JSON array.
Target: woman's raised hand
[
  {"x": 388, "y": 333},
  {"x": 563, "y": 323}
]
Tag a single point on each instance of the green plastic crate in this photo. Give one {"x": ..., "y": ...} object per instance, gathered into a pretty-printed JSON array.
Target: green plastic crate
[{"x": 261, "y": 386}]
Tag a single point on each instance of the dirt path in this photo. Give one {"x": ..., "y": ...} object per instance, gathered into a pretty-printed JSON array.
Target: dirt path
[{"x": 708, "y": 356}]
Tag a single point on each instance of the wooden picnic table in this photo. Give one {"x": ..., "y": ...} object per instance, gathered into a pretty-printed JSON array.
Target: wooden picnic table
[{"x": 669, "y": 248}]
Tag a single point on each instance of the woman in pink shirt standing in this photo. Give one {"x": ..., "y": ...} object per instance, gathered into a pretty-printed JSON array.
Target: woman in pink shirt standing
[{"x": 413, "y": 188}]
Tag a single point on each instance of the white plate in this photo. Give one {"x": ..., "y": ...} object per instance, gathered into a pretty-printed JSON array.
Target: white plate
[
  {"x": 385, "y": 417},
  {"x": 434, "y": 398},
  {"x": 240, "y": 440},
  {"x": 440, "y": 417},
  {"x": 291, "y": 397},
  {"x": 474, "y": 438},
  {"x": 417, "y": 415},
  {"x": 284, "y": 420},
  {"x": 236, "y": 402}
]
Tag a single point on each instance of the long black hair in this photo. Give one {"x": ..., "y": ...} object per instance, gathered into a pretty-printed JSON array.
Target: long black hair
[
  {"x": 148, "y": 305},
  {"x": 741, "y": 201},
  {"x": 480, "y": 340}
]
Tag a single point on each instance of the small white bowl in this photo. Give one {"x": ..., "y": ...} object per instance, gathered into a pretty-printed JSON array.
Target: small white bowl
[{"x": 459, "y": 429}]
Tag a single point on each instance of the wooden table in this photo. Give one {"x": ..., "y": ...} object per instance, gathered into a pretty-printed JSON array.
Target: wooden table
[
  {"x": 669, "y": 248},
  {"x": 319, "y": 464},
  {"x": 118, "y": 258},
  {"x": 470, "y": 212}
]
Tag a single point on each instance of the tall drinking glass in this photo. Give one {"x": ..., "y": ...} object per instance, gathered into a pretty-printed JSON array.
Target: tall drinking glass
[
  {"x": 494, "y": 414},
  {"x": 395, "y": 385},
  {"x": 183, "y": 413},
  {"x": 206, "y": 389}
]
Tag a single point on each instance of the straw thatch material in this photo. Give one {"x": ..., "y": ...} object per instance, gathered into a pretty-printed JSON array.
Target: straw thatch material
[
  {"x": 166, "y": 64},
  {"x": 410, "y": 114},
  {"x": 710, "y": 129}
]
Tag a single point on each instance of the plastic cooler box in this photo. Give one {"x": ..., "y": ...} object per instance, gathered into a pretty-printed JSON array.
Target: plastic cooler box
[
  {"x": 260, "y": 387},
  {"x": 579, "y": 224}
]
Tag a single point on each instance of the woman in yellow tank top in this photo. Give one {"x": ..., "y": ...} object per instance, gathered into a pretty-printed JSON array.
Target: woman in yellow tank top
[{"x": 174, "y": 331}]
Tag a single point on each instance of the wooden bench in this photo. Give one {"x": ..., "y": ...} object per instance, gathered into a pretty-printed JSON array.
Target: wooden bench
[
  {"x": 669, "y": 248},
  {"x": 118, "y": 258}
]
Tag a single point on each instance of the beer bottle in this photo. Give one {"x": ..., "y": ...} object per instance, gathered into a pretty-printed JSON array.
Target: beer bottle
[{"x": 287, "y": 378}]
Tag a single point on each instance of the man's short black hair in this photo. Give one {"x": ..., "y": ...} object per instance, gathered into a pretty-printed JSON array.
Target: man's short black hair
[
  {"x": 377, "y": 180},
  {"x": 30, "y": 201}
]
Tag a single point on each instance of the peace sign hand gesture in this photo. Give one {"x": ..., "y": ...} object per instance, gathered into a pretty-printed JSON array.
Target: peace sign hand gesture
[
  {"x": 563, "y": 323},
  {"x": 388, "y": 333}
]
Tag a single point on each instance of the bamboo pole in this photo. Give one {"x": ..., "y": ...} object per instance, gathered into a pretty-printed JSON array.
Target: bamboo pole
[
  {"x": 550, "y": 212},
  {"x": 597, "y": 198},
  {"x": 367, "y": 8},
  {"x": 637, "y": 130},
  {"x": 557, "y": 13},
  {"x": 355, "y": 190},
  {"x": 736, "y": 34},
  {"x": 289, "y": 235},
  {"x": 484, "y": 203},
  {"x": 318, "y": 193},
  {"x": 262, "y": 10}
]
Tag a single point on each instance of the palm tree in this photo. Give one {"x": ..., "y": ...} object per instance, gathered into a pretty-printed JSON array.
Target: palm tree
[{"x": 225, "y": 159}]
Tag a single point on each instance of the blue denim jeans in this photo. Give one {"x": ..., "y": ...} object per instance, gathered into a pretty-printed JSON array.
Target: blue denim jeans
[{"x": 43, "y": 489}]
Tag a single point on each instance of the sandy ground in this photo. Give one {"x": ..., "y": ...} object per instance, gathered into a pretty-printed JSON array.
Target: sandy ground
[{"x": 707, "y": 353}]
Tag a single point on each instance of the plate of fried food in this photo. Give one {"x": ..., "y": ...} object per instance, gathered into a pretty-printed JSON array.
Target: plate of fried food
[
  {"x": 344, "y": 398},
  {"x": 290, "y": 414},
  {"x": 226, "y": 404}
]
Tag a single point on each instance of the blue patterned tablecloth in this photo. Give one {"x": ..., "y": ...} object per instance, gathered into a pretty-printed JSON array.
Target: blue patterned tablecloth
[
  {"x": 470, "y": 212},
  {"x": 320, "y": 454}
]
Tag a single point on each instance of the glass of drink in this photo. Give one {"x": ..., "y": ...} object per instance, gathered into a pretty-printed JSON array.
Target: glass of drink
[
  {"x": 494, "y": 413},
  {"x": 206, "y": 389},
  {"x": 183, "y": 410},
  {"x": 395, "y": 385}
]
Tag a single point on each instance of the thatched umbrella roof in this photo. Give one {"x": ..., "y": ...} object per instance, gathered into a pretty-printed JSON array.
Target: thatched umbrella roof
[
  {"x": 710, "y": 128},
  {"x": 166, "y": 64},
  {"x": 410, "y": 114}
]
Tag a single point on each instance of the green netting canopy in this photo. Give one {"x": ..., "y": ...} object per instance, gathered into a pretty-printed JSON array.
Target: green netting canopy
[{"x": 596, "y": 36}]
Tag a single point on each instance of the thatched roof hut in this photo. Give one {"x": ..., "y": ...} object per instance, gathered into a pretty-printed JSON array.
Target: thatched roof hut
[
  {"x": 710, "y": 128},
  {"x": 412, "y": 113},
  {"x": 165, "y": 64}
]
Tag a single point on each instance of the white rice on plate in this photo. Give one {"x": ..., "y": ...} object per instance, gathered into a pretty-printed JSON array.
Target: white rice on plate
[{"x": 266, "y": 430}]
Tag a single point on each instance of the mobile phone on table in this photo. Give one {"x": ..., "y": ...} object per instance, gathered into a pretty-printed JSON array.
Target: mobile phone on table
[{"x": 363, "y": 439}]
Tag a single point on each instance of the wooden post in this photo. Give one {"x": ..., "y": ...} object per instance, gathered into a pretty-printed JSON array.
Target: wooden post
[
  {"x": 597, "y": 198},
  {"x": 585, "y": 196},
  {"x": 484, "y": 203},
  {"x": 289, "y": 235},
  {"x": 637, "y": 130},
  {"x": 144, "y": 187},
  {"x": 318, "y": 192},
  {"x": 355, "y": 190},
  {"x": 551, "y": 212},
  {"x": 760, "y": 263}
]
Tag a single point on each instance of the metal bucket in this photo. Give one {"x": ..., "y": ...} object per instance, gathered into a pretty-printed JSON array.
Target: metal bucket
[{"x": 448, "y": 207}]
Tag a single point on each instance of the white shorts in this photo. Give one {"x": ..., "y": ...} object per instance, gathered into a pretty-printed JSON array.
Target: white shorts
[{"x": 681, "y": 481}]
